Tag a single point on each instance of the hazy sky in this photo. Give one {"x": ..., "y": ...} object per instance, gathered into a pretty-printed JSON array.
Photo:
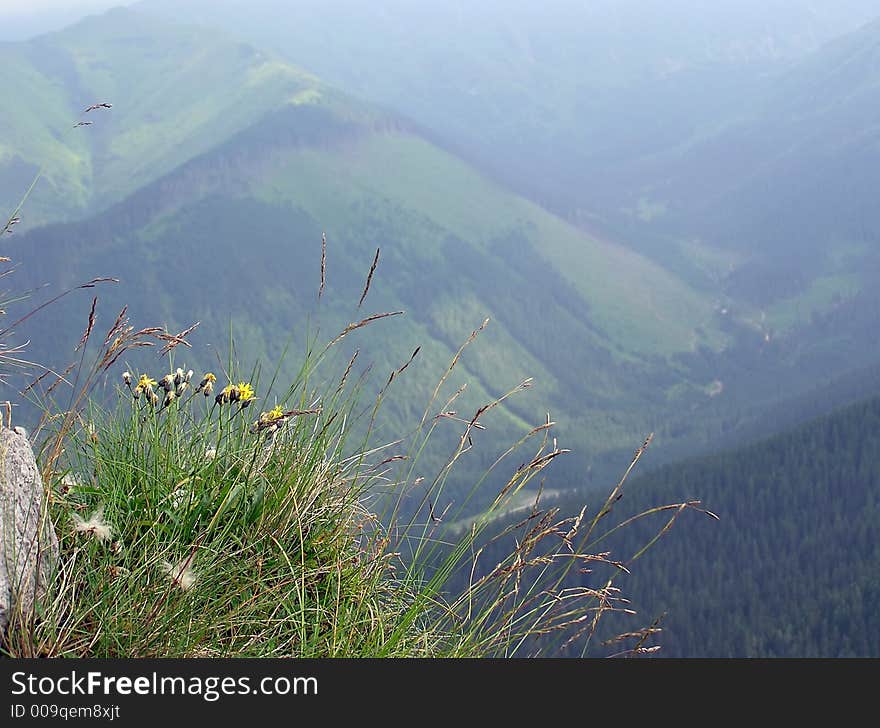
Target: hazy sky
[
  {"x": 22, "y": 19},
  {"x": 26, "y": 7}
]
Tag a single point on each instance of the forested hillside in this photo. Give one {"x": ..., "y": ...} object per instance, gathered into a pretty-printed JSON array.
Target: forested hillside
[{"x": 791, "y": 569}]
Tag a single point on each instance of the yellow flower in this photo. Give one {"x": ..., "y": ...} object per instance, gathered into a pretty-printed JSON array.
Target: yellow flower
[
  {"x": 229, "y": 393},
  {"x": 206, "y": 386},
  {"x": 144, "y": 384},
  {"x": 241, "y": 392},
  {"x": 246, "y": 393},
  {"x": 269, "y": 420}
]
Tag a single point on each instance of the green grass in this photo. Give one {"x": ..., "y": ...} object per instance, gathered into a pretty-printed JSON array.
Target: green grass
[{"x": 239, "y": 525}]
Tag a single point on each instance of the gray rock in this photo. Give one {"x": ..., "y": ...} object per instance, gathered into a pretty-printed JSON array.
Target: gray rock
[{"x": 28, "y": 544}]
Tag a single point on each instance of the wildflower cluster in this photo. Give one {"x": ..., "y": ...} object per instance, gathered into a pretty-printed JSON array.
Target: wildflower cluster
[
  {"x": 174, "y": 385},
  {"x": 188, "y": 494}
]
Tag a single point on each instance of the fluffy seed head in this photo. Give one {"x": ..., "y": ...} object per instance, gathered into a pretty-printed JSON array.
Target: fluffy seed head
[
  {"x": 181, "y": 573},
  {"x": 95, "y": 526}
]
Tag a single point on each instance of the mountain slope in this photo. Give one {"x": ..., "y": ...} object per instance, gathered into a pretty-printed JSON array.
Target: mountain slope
[
  {"x": 448, "y": 264},
  {"x": 176, "y": 92},
  {"x": 785, "y": 200},
  {"x": 741, "y": 158},
  {"x": 554, "y": 98},
  {"x": 735, "y": 149},
  {"x": 791, "y": 569},
  {"x": 550, "y": 81},
  {"x": 230, "y": 234}
]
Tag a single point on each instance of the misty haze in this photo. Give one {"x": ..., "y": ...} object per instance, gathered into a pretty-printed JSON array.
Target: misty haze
[{"x": 335, "y": 286}]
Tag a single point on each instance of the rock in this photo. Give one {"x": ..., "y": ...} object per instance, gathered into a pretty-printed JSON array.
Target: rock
[{"x": 28, "y": 544}]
